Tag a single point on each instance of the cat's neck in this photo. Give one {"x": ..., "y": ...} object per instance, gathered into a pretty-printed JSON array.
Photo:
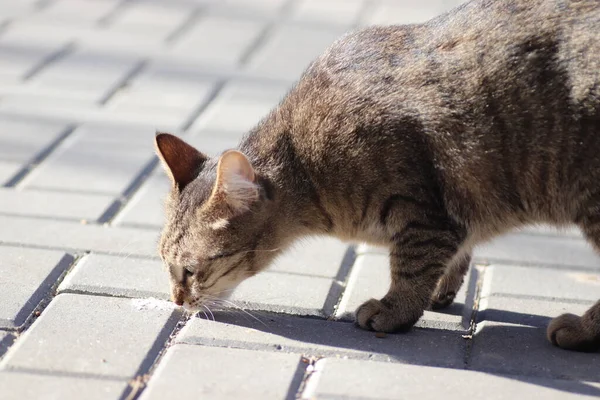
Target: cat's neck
[{"x": 272, "y": 150}]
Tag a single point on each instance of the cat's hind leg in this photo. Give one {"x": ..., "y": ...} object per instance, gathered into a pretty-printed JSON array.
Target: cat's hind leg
[
  {"x": 450, "y": 283},
  {"x": 570, "y": 331}
]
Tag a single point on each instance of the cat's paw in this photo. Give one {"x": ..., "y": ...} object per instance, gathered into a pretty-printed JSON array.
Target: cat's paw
[
  {"x": 567, "y": 332},
  {"x": 383, "y": 316},
  {"x": 441, "y": 300}
]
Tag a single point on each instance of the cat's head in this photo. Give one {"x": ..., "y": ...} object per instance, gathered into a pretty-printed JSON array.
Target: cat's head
[{"x": 219, "y": 222}]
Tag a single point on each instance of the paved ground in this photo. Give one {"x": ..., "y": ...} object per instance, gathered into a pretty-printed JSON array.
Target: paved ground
[{"x": 84, "y": 85}]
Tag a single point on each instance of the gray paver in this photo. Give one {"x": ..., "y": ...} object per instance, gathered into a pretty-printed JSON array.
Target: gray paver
[
  {"x": 36, "y": 271},
  {"x": 86, "y": 74},
  {"x": 323, "y": 338},
  {"x": 71, "y": 338},
  {"x": 22, "y": 141},
  {"x": 72, "y": 12},
  {"x": 248, "y": 101},
  {"x": 112, "y": 160},
  {"x": 374, "y": 380},
  {"x": 157, "y": 19},
  {"x": 541, "y": 282},
  {"x": 118, "y": 276},
  {"x": 258, "y": 375},
  {"x": 370, "y": 278},
  {"x": 408, "y": 12},
  {"x": 289, "y": 293},
  {"x": 19, "y": 386},
  {"x": 217, "y": 41},
  {"x": 290, "y": 49},
  {"x": 333, "y": 12},
  {"x": 246, "y": 9},
  {"x": 53, "y": 204},
  {"x": 69, "y": 235},
  {"x": 6, "y": 340},
  {"x": 515, "y": 329},
  {"x": 525, "y": 249}
]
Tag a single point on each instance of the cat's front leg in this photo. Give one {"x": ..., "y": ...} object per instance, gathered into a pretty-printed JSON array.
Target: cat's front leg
[{"x": 419, "y": 256}]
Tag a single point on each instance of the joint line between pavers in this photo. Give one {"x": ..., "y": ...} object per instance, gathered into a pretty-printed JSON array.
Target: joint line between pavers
[
  {"x": 339, "y": 285},
  {"x": 536, "y": 264},
  {"x": 480, "y": 272},
  {"x": 144, "y": 375},
  {"x": 193, "y": 116},
  {"x": 66, "y": 374},
  {"x": 310, "y": 383},
  {"x": 77, "y": 250},
  {"x": 40, "y": 157},
  {"x": 254, "y": 47},
  {"x": 186, "y": 25},
  {"x": 131, "y": 74},
  {"x": 116, "y": 206},
  {"x": 106, "y": 20},
  {"x": 51, "y": 59}
]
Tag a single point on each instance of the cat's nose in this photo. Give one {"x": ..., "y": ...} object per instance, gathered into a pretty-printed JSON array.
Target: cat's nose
[{"x": 177, "y": 296}]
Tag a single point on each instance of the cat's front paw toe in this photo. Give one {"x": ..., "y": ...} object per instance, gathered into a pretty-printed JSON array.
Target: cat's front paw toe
[
  {"x": 377, "y": 316},
  {"x": 567, "y": 332},
  {"x": 442, "y": 300}
]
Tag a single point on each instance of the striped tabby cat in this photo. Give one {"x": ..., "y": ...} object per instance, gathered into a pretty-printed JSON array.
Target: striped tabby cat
[{"x": 426, "y": 139}]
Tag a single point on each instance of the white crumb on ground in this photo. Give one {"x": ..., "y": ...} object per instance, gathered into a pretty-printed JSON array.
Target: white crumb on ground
[{"x": 152, "y": 304}]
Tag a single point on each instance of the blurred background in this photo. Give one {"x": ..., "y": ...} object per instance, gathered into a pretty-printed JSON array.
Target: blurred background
[{"x": 84, "y": 84}]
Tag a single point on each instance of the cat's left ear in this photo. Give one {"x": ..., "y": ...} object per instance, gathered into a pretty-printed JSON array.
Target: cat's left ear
[{"x": 236, "y": 181}]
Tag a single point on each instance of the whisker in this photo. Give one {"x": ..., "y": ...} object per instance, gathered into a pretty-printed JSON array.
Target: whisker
[
  {"x": 211, "y": 313},
  {"x": 227, "y": 302}
]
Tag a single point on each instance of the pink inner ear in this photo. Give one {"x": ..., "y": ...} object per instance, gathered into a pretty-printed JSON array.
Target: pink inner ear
[{"x": 234, "y": 164}]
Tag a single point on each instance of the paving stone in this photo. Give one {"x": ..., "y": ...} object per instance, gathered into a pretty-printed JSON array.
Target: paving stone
[
  {"x": 320, "y": 257},
  {"x": 370, "y": 278},
  {"x": 19, "y": 54},
  {"x": 91, "y": 336},
  {"x": 118, "y": 276},
  {"x": 73, "y": 12},
  {"x": 157, "y": 19},
  {"x": 51, "y": 204},
  {"x": 246, "y": 9},
  {"x": 525, "y": 249},
  {"x": 408, "y": 12},
  {"x": 6, "y": 339},
  {"x": 250, "y": 374},
  {"x": 513, "y": 329},
  {"x": 374, "y": 380},
  {"x": 161, "y": 91},
  {"x": 89, "y": 74},
  {"x": 18, "y": 386},
  {"x": 541, "y": 282},
  {"x": 318, "y": 337},
  {"x": 288, "y": 293},
  {"x": 217, "y": 41},
  {"x": 240, "y": 106},
  {"x": 545, "y": 230},
  {"x": 330, "y": 12},
  {"x": 96, "y": 159},
  {"x": 26, "y": 276},
  {"x": 290, "y": 49},
  {"x": 22, "y": 141},
  {"x": 76, "y": 236}
]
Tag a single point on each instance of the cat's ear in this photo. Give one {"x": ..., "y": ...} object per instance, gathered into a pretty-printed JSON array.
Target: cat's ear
[
  {"x": 181, "y": 161},
  {"x": 236, "y": 181}
]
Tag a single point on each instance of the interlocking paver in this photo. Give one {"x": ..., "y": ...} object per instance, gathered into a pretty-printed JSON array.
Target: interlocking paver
[
  {"x": 350, "y": 379},
  {"x": 157, "y": 19},
  {"x": 290, "y": 49},
  {"x": 52, "y": 204},
  {"x": 515, "y": 329},
  {"x": 370, "y": 278},
  {"x": 69, "y": 235},
  {"x": 92, "y": 336},
  {"x": 541, "y": 282},
  {"x": 523, "y": 249},
  {"x": 334, "y": 12},
  {"x": 217, "y": 40},
  {"x": 112, "y": 154},
  {"x": 408, "y": 11},
  {"x": 248, "y": 101},
  {"x": 85, "y": 74},
  {"x": 73, "y": 12},
  {"x": 247, "y": 9},
  {"x": 118, "y": 276},
  {"x": 256, "y": 374},
  {"x": 26, "y": 277},
  {"x": 22, "y": 141},
  {"x": 22, "y": 385},
  {"x": 318, "y": 337}
]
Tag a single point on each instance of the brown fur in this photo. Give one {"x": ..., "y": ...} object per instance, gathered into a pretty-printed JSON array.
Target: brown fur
[{"x": 426, "y": 139}]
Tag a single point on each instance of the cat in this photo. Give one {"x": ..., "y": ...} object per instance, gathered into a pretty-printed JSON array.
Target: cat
[{"x": 426, "y": 139}]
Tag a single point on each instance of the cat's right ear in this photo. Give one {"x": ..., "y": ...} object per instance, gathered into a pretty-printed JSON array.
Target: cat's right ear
[{"x": 181, "y": 161}]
